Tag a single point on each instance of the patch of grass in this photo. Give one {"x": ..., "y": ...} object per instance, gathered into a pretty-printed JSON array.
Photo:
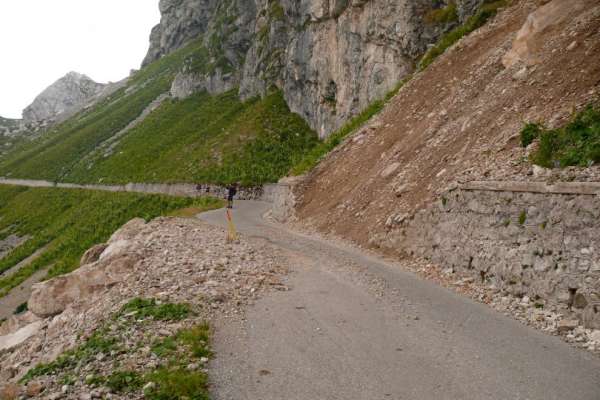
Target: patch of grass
[
  {"x": 314, "y": 156},
  {"x": 99, "y": 342},
  {"x": 124, "y": 381},
  {"x": 529, "y": 133},
  {"x": 575, "y": 144},
  {"x": 149, "y": 308},
  {"x": 68, "y": 222},
  {"x": 487, "y": 11},
  {"x": 443, "y": 15},
  {"x": 164, "y": 348},
  {"x": 197, "y": 340},
  {"x": 176, "y": 384},
  {"x": 522, "y": 217}
]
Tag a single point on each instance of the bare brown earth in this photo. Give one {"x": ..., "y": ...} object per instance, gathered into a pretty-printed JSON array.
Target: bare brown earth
[{"x": 459, "y": 120}]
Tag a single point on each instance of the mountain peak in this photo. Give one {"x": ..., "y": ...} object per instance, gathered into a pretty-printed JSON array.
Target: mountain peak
[{"x": 63, "y": 98}]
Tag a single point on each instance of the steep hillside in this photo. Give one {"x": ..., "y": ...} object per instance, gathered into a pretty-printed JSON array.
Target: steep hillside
[
  {"x": 330, "y": 58},
  {"x": 460, "y": 120},
  {"x": 62, "y": 224},
  {"x": 139, "y": 134}
]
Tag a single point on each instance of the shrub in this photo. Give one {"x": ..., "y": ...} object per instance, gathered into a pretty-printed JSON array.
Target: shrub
[
  {"x": 529, "y": 133},
  {"x": 575, "y": 144},
  {"x": 21, "y": 308},
  {"x": 443, "y": 15},
  {"x": 485, "y": 12}
]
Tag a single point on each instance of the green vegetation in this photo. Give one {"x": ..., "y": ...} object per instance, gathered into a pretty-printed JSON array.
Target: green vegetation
[
  {"x": 575, "y": 144},
  {"x": 51, "y": 156},
  {"x": 149, "y": 308},
  {"x": 171, "y": 380},
  {"x": 487, "y": 11},
  {"x": 208, "y": 139},
  {"x": 175, "y": 383},
  {"x": 312, "y": 158},
  {"x": 67, "y": 222},
  {"x": 21, "y": 308},
  {"x": 205, "y": 139},
  {"x": 529, "y": 133},
  {"x": 99, "y": 342},
  {"x": 522, "y": 217},
  {"x": 443, "y": 15}
]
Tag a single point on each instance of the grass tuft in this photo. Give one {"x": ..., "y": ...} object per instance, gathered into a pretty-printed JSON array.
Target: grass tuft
[
  {"x": 575, "y": 144},
  {"x": 149, "y": 308},
  {"x": 486, "y": 11}
]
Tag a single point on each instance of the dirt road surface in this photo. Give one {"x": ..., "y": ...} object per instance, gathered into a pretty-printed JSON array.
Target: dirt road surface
[{"x": 357, "y": 327}]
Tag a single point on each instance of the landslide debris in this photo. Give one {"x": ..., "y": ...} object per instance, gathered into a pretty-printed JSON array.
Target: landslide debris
[{"x": 137, "y": 317}]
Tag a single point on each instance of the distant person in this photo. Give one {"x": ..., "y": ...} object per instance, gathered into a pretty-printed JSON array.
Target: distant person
[{"x": 231, "y": 192}]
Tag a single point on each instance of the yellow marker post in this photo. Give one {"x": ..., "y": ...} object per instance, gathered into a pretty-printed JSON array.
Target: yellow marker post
[{"x": 232, "y": 234}]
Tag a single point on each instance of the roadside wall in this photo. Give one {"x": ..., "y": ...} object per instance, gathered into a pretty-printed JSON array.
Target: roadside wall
[
  {"x": 262, "y": 193},
  {"x": 527, "y": 239}
]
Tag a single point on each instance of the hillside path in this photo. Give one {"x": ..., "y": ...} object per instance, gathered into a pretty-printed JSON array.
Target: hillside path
[{"x": 357, "y": 327}]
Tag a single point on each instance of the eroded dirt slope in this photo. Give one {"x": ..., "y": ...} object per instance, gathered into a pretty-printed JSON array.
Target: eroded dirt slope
[{"x": 460, "y": 119}]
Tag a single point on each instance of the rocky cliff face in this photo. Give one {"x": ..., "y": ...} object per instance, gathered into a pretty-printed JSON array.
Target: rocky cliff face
[
  {"x": 63, "y": 98},
  {"x": 331, "y": 57}
]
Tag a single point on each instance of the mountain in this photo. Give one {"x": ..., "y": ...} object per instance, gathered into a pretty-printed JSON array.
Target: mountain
[
  {"x": 8, "y": 126},
  {"x": 63, "y": 98},
  {"x": 331, "y": 59}
]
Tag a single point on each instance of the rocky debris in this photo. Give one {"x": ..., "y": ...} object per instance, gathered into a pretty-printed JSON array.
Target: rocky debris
[
  {"x": 93, "y": 254},
  {"x": 331, "y": 59},
  {"x": 175, "y": 261},
  {"x": 457, "y": 121},
  {"x": 63, "y": 98},
  {"x": 530, "y": 37}
]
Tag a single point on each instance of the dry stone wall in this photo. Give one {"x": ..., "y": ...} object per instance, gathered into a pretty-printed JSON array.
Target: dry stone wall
[
  {"x": 526, "y": 239},
  {"x": 261, "y": 193}
]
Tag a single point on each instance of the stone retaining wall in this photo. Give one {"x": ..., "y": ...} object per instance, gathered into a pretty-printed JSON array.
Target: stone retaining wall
[
  {"x": 262, "y": 193},
  {"x": 527, "y": 239}
]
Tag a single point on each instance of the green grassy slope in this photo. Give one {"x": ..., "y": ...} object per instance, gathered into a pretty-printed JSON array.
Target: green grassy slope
[
  {"x": 204, "y": 139},
  {"x": 69, "y": 222}
]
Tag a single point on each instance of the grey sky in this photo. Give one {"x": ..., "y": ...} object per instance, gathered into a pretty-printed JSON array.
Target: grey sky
[{"x": 42, "y": 40}]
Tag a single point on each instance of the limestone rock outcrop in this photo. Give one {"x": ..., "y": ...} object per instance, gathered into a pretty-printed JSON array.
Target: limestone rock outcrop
[
  {"x": 330, "y": 58},
  {"x": 108, "y": 265},
  {"x": 62, "y": 99}
]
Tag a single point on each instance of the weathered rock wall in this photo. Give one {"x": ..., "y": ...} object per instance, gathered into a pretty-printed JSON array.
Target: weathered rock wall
[
  {"x": 331, "y": 58},
  {"x": 64, "y": 97},
  {"x": 526, "y": 239}
]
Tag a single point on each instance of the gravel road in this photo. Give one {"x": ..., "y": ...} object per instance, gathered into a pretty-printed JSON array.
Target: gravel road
[{"x": 357, "y": 327}]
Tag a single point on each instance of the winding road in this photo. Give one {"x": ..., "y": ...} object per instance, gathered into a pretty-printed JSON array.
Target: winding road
[{"x": 356, "y": 327}]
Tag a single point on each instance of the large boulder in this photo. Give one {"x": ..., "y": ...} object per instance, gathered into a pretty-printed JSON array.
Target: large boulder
[
  {"x": 531, "y": 38},
  {"x": 114, "y": 263},
  {"x": 83, "y": 285}
]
